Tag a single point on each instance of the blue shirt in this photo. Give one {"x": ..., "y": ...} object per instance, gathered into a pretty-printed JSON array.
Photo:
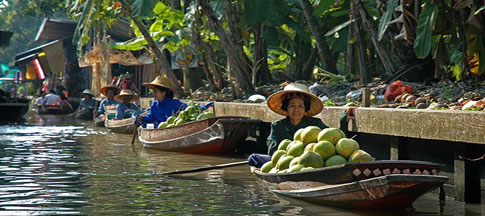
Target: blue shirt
[
  {"x": 161, "y": 110},
  {"x": 106, "y": 102},
  {"x": 123, "y": 111},
  {"x": 91, "y": 103}
]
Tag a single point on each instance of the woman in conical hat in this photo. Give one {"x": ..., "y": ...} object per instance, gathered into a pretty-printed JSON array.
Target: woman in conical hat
[
  {"x": 298, "y": 105},
  {"x": 126, "y": 109},
  {"x": 164, "y": 104},
  {"x": 87, "y": 101},
  {"x": 110, "y": 91}
]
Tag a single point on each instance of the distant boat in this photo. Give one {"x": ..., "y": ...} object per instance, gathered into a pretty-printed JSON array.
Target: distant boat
[{"x": 12, "y": 109}]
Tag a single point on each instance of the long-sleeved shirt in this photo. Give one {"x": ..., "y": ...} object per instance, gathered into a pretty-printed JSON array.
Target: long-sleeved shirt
[
  {"x": 87, "y": 103},
  {"x": 161, "y": 110},
  {"x": 283, "y": 129},
  {"x": 105, "y": 101},
  {"x": 123, "y": 111}
]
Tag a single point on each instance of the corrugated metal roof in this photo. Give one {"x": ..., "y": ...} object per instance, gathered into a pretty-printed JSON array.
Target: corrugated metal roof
[{"x": 54, "y": 29}]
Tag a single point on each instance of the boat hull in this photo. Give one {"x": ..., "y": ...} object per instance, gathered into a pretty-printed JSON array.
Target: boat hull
[
  {"x": 120, "y": 126},
  {"x": 393, "y": 191},
  {"x": 219, "y": 135},
  {"x": 13, "y": 110}
]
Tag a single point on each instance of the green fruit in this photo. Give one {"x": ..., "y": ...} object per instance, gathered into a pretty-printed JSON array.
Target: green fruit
[
  {"x": 360, "y": 156},
  {"x": 306, "y": 169},
  {"x": 335, "y": 160},
  {"x": 283, "y": 171},
  {"x": 297, "y": 135},
  {"x": 331, "y": 134},
  {"x": 171, "y": 119},
  {"x": 325, "y": 149},
  {"x": 274, "y": 170},
  {"x": 267, "y": 167},
  {"x": 295, "y": 168},
  {"x": 310, "y": 134},
  {"x": 294, "y": 161},
  {"x": 276, "y": 156},
  {"x": 284, "y": 162},
  {"x": 294, "y": 142},
  {"x": 311, "y": 159},
  {"x": 309, "y": 147},
  {"x": 296, "y": 149},
  {"x": 179, "y": 122},
  {"x": 163, "y": 125},
  {"x": 346, "y": 147},
  {"x": 283, "y": 144}
]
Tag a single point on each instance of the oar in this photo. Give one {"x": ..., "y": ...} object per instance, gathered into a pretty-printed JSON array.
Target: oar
[
  {"x": 219, "y": 166},
  {"x": 134, "y": 134}
]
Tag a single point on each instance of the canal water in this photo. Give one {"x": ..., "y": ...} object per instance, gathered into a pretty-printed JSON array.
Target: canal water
[{"x": 51, "y": 165}]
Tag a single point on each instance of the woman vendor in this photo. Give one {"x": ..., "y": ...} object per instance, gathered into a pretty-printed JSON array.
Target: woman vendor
[
  {"x": 109, "y": 91},
  {"x": 298, "y": 105},
  {"x": 164, "y": 105},
  {"x": 126, "y": 109}
]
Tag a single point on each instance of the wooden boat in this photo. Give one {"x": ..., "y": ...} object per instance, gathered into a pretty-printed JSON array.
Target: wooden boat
[
  {"x": 216, "y": 135},
  {"x": 84, "y": 114},
  {"x": 13, "y": 108},
  {"x": 109, "y": 110},
  {"x": 367, "y": 185},
  {"x": 120, "y": 126},
  {"x": 394, "y": 191},
  {"x": 54, "y": 110}
]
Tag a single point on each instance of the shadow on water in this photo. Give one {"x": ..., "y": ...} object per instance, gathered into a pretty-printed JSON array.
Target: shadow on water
[{"x": 66, "y": 169}]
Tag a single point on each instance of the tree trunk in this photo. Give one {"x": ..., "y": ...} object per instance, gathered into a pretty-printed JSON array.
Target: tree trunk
[
  {"x": 260, "y": 68},
  {"x": 213, "y": 74},
  {"x": 349, "y": 56},
  {"x": 360, "y": 45},
  {"x": 239, "y": 64},
  {"x": 160, "y": 62},
  {"x": 323, "y": 50},
  {"x": 308, "y": 66},
  {"x": 368, "y": 23}
]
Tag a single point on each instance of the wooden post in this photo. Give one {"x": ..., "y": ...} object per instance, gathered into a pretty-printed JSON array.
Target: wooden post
[{"x": 365, "y": 97}]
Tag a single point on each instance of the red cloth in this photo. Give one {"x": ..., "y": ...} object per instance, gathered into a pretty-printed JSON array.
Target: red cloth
[{"x": 395, "y": 89}]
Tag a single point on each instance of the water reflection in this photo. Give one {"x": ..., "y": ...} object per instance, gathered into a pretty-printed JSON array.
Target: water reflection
[{"x": 48, "y": 170}]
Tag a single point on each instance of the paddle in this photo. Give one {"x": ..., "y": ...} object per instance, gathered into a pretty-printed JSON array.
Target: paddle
[
  {"x": 219, "y": 166},
  {"x": 134, "y": 134}
]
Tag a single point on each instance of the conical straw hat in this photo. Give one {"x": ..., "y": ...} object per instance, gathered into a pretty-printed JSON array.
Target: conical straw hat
[
  {"x": 87, "y": 91},
  {"x": 126, "y": 92},
  {"x": 104, "y": 90},
  {"x": 276, "y": 100},
  {"x": 160, "y": 81}
]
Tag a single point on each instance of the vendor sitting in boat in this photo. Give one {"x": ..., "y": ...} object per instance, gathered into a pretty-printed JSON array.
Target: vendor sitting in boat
[
  {"x": 126, "y": 109},
  {"x": 87, "y": 102},
  {"x": 164, "y": 105},
  {"x": 298, "y": 105},
  {"x": 109, "y": 91}
]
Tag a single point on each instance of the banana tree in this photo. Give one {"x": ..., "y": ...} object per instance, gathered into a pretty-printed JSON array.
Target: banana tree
[{"x": 104, "y": 12}]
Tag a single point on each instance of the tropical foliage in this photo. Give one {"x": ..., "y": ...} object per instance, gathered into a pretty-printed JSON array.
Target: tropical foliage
[{"x": 245, "y": 43}]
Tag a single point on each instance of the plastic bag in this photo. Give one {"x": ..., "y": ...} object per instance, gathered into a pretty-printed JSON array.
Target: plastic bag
[{"x": 395, "y": 89}]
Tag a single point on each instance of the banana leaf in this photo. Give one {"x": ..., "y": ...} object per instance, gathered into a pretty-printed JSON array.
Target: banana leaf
[{"x": 424, "y": 32}]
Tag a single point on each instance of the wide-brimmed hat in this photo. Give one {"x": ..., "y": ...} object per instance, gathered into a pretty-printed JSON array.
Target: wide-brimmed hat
[
  {"x": 160, "y": 81},
  {"x": 276, "y": 100},
  {"x": 126, "y": 92},
  {"x": 88, "y": 92},
  {"x": 104, "y": 90}
]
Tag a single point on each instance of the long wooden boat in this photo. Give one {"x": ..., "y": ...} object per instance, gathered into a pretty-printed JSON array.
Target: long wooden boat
[
  {"x": 367, "y": 185},
  {"x": 109, "y": 110},
  {"x": 394, "y": 191},
  {"x": 120, "y": 126},
  {"x": 346, "y": 173},
  {"x": 218, "y": 135},
  {"x": 53, "y": 110},
  {"x": 13, "y": 108},
  {"x": 84, "y": 114}
]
